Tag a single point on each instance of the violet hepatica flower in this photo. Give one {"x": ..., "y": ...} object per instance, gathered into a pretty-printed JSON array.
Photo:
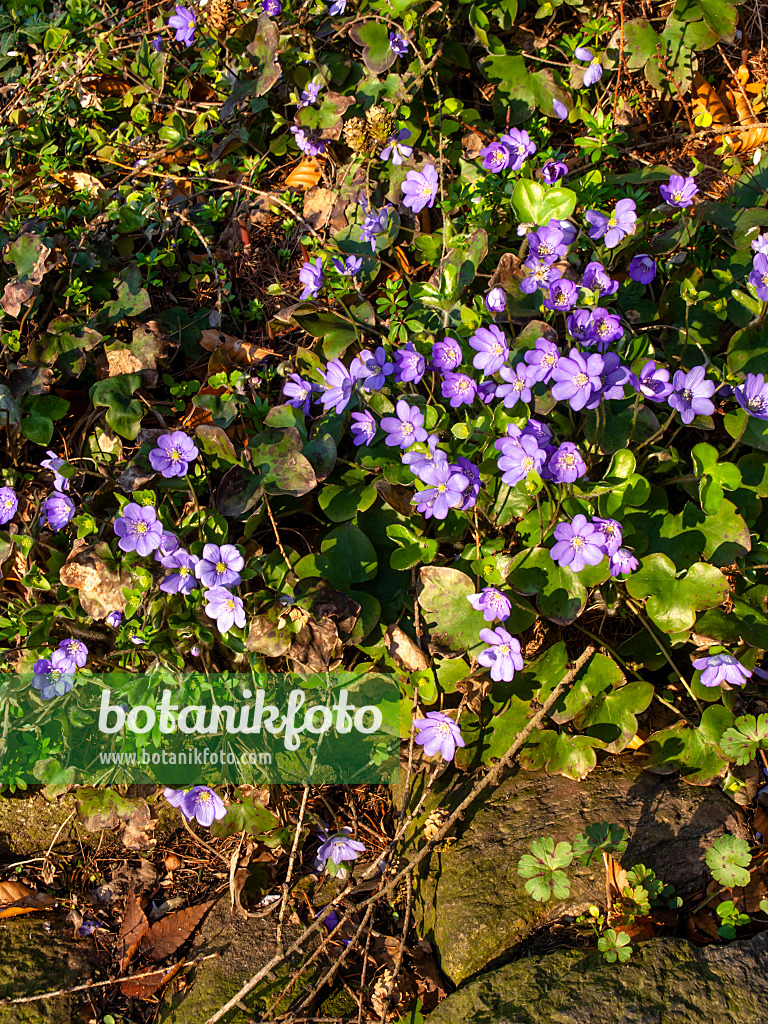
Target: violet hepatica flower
[
  {"x": 721, "y": 668},
  {"x": 612, "y": 534},
  {"x": 759, "y": 276},
  {"x": 547, "y": 244},
  {"x": 446, "y": 355},
  {"x": 541, "y": 360},
  {"x": 642, "y": 269},
  {"x": 169, "y": 544},
  {"x": 338, "y": 385},
  {"x": 8, "y": 504},
  {"x": 438, "y": 734},
  {"x": 308, "y": 141},
  {"x": 562, "y": 297},
  {"x": 613, "y": 377},
  {"x": 375, "y": 223},
  {"x": 554, "y": 170},
  {"x": 138, "y": 529},
  {"x": 622, "y": 562},
  {"x": 653, "y": 382},
  {"x": 595, "y": 278},
  {"x": 419, "y": 460},
  {"x": 594, "y": 72},
  {"x": 406, "y": 427},
  {"x": 444, "y": 491},
  {"x": 760, "y": 244},
  {"x": 459, "y": 388},
  {"x": 519, "y": 458},
  {"x": 420, "y": 189},
  {"x": 397, "y": 44},
  {"x": 491, "y": 347},
  {"x": 578, "y": 325},
  {"x": 173, "y": 454},
  {"x": 310, "y": 94},
  {"x": 496, "y": 157},
  {"x": 57, "y": 511},
  {"x": 396, "y": 150},
  {"x": 54, "y": 676},
  {"x": 75, "y": 651},
  {"x": 604, "y": 327},
  {"x": 371, "y": 368},
  {"x": 566, "y": 464},
  {"x": 54, "y": 463},
  {"x": 576, "y": 377},
  {"x": 410, "y": 365},
  {"x": 516, "y": 387},
  {"x": 273, "y": 7},
  {"x": 579, "y": 543},
  {"x": 226, "y": 608},
  {"x": 622, "y": 222},
  {"x": 220, "y": 566},
  {"x": 752, "y": 395},
  {"x": 560, "y": 109},
  {"x": 492, "y": 603},
  {"x": 691, "y": 394},
  {"x": 350, "y": 266},
  {"x": 298, "y": 392},
  {"x": 496, "y": 300},
  {"x": 183, "y": 21},
  {"x": 115, "y": 619},
  {"x": 472, "y": 473},
  {"x": 679, "y": 191},
  {"x": 539, "y": 275},
  {"x": 182, "y": 576},
  {"x": 200, "y": 803},
  {"x": 337, "y": 848},
  {"x": 363, "y": 427},
  {"x": 520, "y": 147},
  {"x": 338, "y": 7},
  {"x": 311, "y": 276},
  {"x": 502, "y": 656}
]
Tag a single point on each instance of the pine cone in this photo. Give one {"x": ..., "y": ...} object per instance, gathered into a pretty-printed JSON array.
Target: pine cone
[
  {"x": 381, "y": 124},
  {"x": 356, "y": 135},
  {"x": 218, "y": 15}
]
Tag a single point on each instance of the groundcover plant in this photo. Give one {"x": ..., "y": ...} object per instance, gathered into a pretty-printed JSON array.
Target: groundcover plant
[{"x": 386, "y": 337}]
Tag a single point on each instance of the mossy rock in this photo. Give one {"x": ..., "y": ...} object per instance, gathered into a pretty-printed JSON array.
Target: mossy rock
[
  {"x": 29, "y": 822},
  {"x": 667, "y": 981}
]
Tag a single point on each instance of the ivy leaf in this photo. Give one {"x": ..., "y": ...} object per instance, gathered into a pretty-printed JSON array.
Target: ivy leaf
[
  {"x": 603, "y": 837},
  {"x": 543, "y": 869},
  {"x": 728, "y": 858},
  {"x": 131, "y": 299},
  {"x": 249, "y": 816},
  {"x": 740, "y": 743}
]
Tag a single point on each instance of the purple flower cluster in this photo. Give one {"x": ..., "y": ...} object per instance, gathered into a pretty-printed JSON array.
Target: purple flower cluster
[
  {"x": 581, "y": 543},
  {"x": 55, "y": 675}
]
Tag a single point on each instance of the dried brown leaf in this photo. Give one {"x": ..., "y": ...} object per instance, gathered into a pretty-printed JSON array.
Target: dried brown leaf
[
  {"x": 428, "y": 981},
  {"x": 132, "y": 929},
  {"x": 244, "y": 353},
  {"x": 80, "y": 181},
  {"x": 101, "y": 588},
  {"x": 15, "y": 295},
  {"x": 304, "y": 176},
  {"x": 172, "y": 931},
  {"x": 318, "y": 204},
  {"x": 144, "y": 987},
  {"x": 404, "y": 652}
]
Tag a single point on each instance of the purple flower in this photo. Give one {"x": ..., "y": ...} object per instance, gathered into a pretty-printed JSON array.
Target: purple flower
[
  {"x": 642, "y": 269},
  {"x": 566, "y": 464},
  {"x": 554, "y": 170},
  {"x": 57, "y": 511},
  {"x": 115, "y": 619},
  {"x": 312, "y": 278},
  {"x": 173, "y": 454},
  {"x": 576, "y": 378},
  {"x": 460, "y": 388},
  {"x": 194, "y": 652},
  {"x": 54, "y": 463},
  {"x": 560, "y": 109},
  {"x": 200, "y": 803},
  {"x": 338, "y": 385},
  {"x": 446, "y": 355},
  {"x": 53, "y": 676},
  {"x": 578, "y": 325},
  {"x": 375, "y": 223},
  {"x": 225, "y": 608},
  {"x": 539, "y": 275},
  {"x": 752, "y": 395},
  {"x": 612, "y": 534},
  {"x": 308, "y": 141},
  {"x": 8, "y": 504},
  {"x": 594, "y": 72},
  {"x": 363, "y": 427},
  {"x": 721, "y": 668},
  {"x": 517, "y": 387},
  {"x": 653, "y": 382},
  {"x": 563, "y": 295},
  {"x": 219, "y": 566},
  {"x": 492, "y": 603},
  {"x": 184, "y": 23},
  {"x": 298, "y": 392},
  {"x": 621, "y": 223},
  {"x": 350, "y": 266},
  {"x": 371, "y": 368},
  {"x": 542, "y": 360},
  {"x": 604, "y": 327},
  {"x": 623, "y": 561},
  {"x": 397, "y": 44},
  {"x": 169, "y": 543},
  {"x": 420, "y": 190},
  {"x": 491, "y": 347},
  {"x": 496, "y": 157},
  {"x": 595, "y": 277},
  {"x": 445, "y": 488},
  {"x": 337, "y": 848},
  {"x": 138, "y": 529},
  {"x": 274, "y": 7},
  {"x": 410, "y": 365},
  {"x": 75, "y": 651},
  {"x": 182, "y": 579},
  {"x": 472, "y": 473},
  {"x": 503, "y": 656},
  {"x": 760, "y": 244},
  {"x": 396, "y": 149},
  {"x": 438, "y": 734},
  {"x": 759, "y": 276},
  {"x": 679, "y": 192},
  {"x": 520, "y": 146},
  {"x": 540, "y": 432},
  {"x": 613, "y": 376},
  {"x": 570, "y": 231},
  {"x": 486, "y": 391},
  {"x": 310, "y": 94},
  {"x": 547, "y": 244},
  {"x": 157, "y": 44},
  {"x": 519, "y": 458},
  {"x": 419, "y": 460},
  {"x": 406, "y": 427},
  {"x": 579, "y": 543},
  {"x": 691, "y": 394},
  {"x": 338, "y": 7},
  {"x": 496, "y": 300}
]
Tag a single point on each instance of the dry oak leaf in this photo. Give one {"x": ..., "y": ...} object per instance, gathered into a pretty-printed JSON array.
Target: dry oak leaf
[
  {"x": 80, "y": 181},
  {"x": 172, "y": 931},
  {"x": 304, "y": 175},
  {"x": 245, "y": 353},
  {"x": 133, "y": 927}
]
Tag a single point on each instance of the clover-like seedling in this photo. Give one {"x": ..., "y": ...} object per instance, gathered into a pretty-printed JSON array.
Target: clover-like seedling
[
  {"x": 543, "y": 869},
  {"x": 615, "y": 946},
  {"x": 740, "y": 743},
  {"x": 728, "y": 859}
]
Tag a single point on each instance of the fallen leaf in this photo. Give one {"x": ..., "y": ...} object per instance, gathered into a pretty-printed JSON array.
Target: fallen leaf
[
  {"x": 172, "y": 931},
  {"x": 428, "y": 981},
  {"x": 101, "y": 588},
  {"x": 80, "y": 181},
  {"x": 304, "y": 176},
  {"x": 404, "y": 651},
  {"x": 107, "y": 85},
  {"x": 145, "y": 986},
  {"x": 244, "y": 353},
  {"x": 318, "y": 204},
  {"x": 132, "y": 929},
  {"x": 15, "y": 295}
]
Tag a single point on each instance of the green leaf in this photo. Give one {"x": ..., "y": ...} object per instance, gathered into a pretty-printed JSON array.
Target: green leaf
[
  {"x": 214, "y": 441},
  {"x": 691, "y": 751},
  {"x": 543, "y": 869},
  {"x": 55, "y": 777},
  {"x": 527, "y": 199},
  {"x": 602, "y": 837},
  {"x": 349, "y": 547},
  {"x": 740, "y": 743},
  {"x": 640, "y": 42},
  {"x": 672, "y": 603},
  {"x": 105, "y": 808},
  {"x": 560, "y": 594},
  {"x": 344, "y": 502},
  {"x": 124, "y": 412},
  {"x": 728, "y": 858},
  {"x": 721, "y": 17},
  {"x": 249, "y": 816},
  {"x": 558, "y": 202},
  {"x": 277, "y": 458},
  {"x": 615, "y": 946},
  {"x": 373, "y": 36},
  {"x": 132, "y": 299}
]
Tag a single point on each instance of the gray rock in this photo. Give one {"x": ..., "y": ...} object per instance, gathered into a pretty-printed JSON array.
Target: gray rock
[
  {"x": 667, "y": 981},
  {"x": 471, "y": 903}
]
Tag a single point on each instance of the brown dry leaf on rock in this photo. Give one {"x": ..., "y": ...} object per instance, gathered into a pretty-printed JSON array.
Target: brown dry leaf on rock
[
  {"x": 17, "y": 898},
  {"x": 304, "y": 176},
  {"x": 172, "y": 931}
]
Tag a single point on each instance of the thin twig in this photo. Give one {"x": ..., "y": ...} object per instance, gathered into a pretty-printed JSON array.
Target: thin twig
[{"x": 289, "y": 873}]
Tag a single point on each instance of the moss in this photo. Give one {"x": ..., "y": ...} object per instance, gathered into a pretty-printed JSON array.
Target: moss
[{"x": 29, "y": 822}]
